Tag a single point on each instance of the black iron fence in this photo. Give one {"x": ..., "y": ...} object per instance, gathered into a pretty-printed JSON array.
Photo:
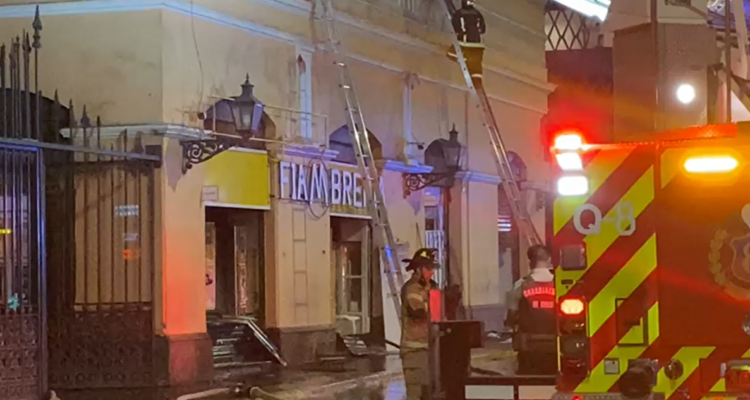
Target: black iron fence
[{"x": 77, "y": 239}]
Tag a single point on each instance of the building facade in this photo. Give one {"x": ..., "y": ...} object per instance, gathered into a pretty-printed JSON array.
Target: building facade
[{"x": 276, "y": 230}]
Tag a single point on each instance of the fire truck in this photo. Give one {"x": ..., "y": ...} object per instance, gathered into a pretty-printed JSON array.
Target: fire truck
[
  {"x": 652, "y": 246},
  {"x": 651, "y": 242}
]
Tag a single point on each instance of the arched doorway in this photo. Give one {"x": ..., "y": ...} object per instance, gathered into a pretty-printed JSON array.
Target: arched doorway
[
  {"x": 358, "y": 305},
  {"x": 507, "y": 232}
]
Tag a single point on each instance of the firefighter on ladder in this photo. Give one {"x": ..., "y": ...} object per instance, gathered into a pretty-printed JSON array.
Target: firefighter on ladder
[
  {"x": 415, "y": 323},
  {"x": 531, "y": 315},
  {"x": 468, "y": 23}
]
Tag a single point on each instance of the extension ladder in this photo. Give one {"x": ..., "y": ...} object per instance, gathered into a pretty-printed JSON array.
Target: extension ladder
[
  {"x": 510, "y": 184},
  {"x": 383, "y": 234}
]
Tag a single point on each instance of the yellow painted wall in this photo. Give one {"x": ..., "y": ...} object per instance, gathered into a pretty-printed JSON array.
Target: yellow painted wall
[
  {"x": 226, "y": 56},
  {"x": 92, "y": 59},
  {"x": 143, "y": 67}
]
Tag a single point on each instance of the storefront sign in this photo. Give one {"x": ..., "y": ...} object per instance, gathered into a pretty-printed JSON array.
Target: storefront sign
[
  {"x": 238, "y": 177},
  {"x": 339, "y": 187}
]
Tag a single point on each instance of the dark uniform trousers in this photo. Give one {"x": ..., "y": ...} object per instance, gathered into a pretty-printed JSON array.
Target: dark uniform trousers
[
  {"x": 415, "y": 363},
  {"x": 414, "y": 337}
]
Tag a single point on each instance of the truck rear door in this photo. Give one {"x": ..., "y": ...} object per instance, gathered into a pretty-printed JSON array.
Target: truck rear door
[{"x": 703, "y": 247}]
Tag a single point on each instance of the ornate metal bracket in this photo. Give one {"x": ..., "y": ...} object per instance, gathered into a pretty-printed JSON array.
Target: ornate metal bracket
[
  {"x": 416, "y": 182},
  {"x": 198, "y": 151}
]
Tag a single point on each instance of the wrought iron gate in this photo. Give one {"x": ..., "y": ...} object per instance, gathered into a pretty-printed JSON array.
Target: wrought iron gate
[{"x": 76, "y": 245}]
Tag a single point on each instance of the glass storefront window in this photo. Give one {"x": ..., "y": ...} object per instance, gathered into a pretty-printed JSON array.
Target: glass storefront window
[{"x": 351, "y": 259}]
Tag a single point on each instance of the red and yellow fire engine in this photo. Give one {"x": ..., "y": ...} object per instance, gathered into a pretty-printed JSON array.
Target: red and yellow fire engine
[{"x": 652, "y": 247}]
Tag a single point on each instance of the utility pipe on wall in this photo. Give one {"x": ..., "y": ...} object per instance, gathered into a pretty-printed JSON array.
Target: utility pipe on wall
[{"x": 728, "y": 57}]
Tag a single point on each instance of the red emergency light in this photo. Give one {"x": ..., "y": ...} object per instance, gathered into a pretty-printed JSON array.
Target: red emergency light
[
  {"x": 436, "y": 305},
  {"x": 572, "y": 306},
  {"x": 568, "y": 141}
]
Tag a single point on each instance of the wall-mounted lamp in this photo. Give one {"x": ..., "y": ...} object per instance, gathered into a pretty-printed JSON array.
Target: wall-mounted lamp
[
  {"x": 243, "y": 114},
  {"x": 445, "y": 158}
]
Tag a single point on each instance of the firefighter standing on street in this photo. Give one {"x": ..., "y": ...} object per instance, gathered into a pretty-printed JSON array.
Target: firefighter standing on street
[
  {"x": 415, "y": 323},
  {"x": 531, "y": 314}
]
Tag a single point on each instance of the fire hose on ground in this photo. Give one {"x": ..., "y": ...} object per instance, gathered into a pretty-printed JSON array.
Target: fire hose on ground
[{"x": 256, "y": 393}]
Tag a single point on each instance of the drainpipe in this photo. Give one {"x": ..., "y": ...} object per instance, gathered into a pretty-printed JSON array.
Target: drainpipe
[
  {"x": 728, "y": 56},
  {"x": 657, "y": 63}
]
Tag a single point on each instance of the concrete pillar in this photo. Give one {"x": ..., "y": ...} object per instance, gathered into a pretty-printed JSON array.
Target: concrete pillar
[
  {"x": 474, "y": 250},
  {"x": 183, "y": 346},
  {"x": 299, "y": 282},
  {"x": 648, "y": 70}
]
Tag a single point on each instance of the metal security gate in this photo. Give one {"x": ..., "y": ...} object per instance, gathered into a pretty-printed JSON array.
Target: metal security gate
[
  {"x": 21, "y": 315},
  {"x": 77, "y": 245}
]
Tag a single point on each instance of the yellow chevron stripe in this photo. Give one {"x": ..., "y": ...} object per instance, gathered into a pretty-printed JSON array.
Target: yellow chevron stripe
[
  {"x": 622, "y": 285},
  {"x": 690, "y": 358},
  {"x": 640, "y": 195},
  {"x": 721, "y": 384},
  {"x": 598, "y": 381},
  {"x": 598, "y": 171}
]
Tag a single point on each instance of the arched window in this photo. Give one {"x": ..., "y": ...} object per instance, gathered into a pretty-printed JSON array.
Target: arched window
[
  {"x": 341, "y": 141},
  {"x": 518, "y": 166},
  {"x": 219, "y": 119}
]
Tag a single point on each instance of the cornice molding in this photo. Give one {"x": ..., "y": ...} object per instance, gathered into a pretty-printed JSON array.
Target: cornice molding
[
  {"x": 295, "y": 150},
  {"x": 400, "y": 166},
  {"x": 479, "y": 177},
  {"x": 172, "y": 131}
]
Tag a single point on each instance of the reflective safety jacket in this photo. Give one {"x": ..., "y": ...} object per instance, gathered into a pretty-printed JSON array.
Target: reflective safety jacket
[
  {"x": 536, "y": 314},
  {"x": 415, "y": 316},
  {"x": 469, "y": 25}
]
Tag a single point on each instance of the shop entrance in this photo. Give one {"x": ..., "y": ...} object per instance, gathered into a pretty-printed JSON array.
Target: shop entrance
[
  {"x": 352, "y": 261},
  {"x": 234, "y": 262}
]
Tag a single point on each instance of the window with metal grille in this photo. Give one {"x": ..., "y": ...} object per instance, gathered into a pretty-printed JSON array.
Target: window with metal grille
[{"x": 568, "y": 30}]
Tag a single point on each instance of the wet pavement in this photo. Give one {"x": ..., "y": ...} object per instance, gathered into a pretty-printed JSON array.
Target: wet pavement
[{"x": 386, "y": 385}]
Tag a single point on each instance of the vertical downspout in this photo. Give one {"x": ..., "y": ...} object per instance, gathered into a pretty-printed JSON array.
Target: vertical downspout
[
  {"x": 740, "y": 26},
  {"x": 728, "y": 58},
  {"x": 657, "y": 62},
  {"x": 465, "y": 211}
]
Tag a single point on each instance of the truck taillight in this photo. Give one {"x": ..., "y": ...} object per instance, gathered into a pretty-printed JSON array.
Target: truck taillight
[
  {"x": 568, "y": 141},
  {"x": 567, "y": 149},
  {"x": 572, "y": 185},
  {"x": 572, "y": 306},
  {"x": 574, "y": 341},
  {"x": 569, "y": 161}
]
